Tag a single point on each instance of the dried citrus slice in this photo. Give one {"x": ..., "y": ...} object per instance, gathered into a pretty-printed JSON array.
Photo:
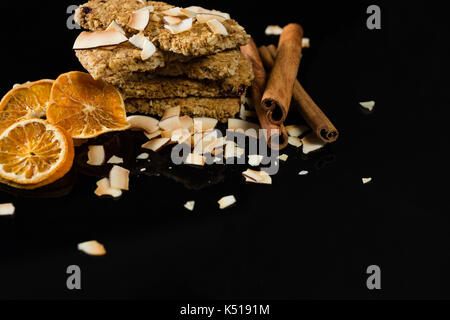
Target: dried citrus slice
[
  {"x": 34, "y": 152},
  {"x": 26, "y": 101},
  {"x": 85, "y": 107}
]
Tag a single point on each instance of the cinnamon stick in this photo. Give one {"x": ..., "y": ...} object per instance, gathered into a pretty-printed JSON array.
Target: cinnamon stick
[
  {"x": 278, "y": 94},
  {"x": 311, "y": 113},
  {"x": 250, "y": 51}
]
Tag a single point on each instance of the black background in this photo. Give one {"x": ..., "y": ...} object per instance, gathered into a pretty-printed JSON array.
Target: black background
[{"x": 306, "y": 237}]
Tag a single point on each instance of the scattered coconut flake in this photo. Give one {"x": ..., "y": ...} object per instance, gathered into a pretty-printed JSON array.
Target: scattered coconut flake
[
  {"x": 312, "y": 143},
  {"x": 92, "y": 248},
  {"x": 217, "y": 27},
  {"x": 171, "y": 21},
  {"x": 170, "y": 124},
  {"x": 143, "y": 169},
  {"x": 296, "y": 130},
  {"x": 195, "y": 159},
  {"x": 104, "y": 189},
  {"x": 7, "y": 209},
  {"x": 204, "y": 124},
  {"x": 143, "y": 156},
  {"x": 153, "y": 135},
  {"x": 366, "y": 180},
  {"x": 139, "y": 19},
  {"x": 138, "y": 40},
  {"x": 180, "y": 135},
  {"x": 204, "y": 15},
  {"x": 305, "y": 43},
  {"x": 283, "y": 157},
  {"x": 187, "y": 123},
  {"x": 114, "y": 26},
  {"x": 179, "y": 12},
  {"x": 303, "y": 173},
  {"x": 190, "y": 205},
  {"x": 115, "y": 160},
  {"x": 233, "y": 151},
  {"x": 185, "y": 25},
  {"x": 96, "y": 155},
  {"x": 260, "y": 177},
  {"x": 369, "y": 105},
  {"x": 148, "y": 50},
  {"x": 242, "y": 113},
  {"x": 272, "y": 30},
  {"x": 95, "y": 39},
  {"x": 156, "y": 144},
  {"x": 171, "y": 112},
  {"x": 294, "y": 141},
  {"x": 217, "y": 160},
  {"x": 155, "y": 18},
  {"x": 119, "y": 178},
  {"x": 255, "y": 160},
  {"x": 147, "y": 124},
  {"x": 226, "y": 202}
]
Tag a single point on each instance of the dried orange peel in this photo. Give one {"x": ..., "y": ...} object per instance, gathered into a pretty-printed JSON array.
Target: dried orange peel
[
  {"x": 34, "y": 153},
  {"x": 26, "y": 101},
  {"x": 85, "y": 107}
]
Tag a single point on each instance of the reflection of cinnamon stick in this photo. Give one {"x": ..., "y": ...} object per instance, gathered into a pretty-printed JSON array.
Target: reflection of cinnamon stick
[
  {"x": 278, "y": 94},
  {"x": 250, "y": 51},
  {"x": 312, "y": 114}
]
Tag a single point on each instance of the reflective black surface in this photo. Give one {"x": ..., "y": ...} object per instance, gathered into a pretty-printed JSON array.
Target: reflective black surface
[{"x": 303, "y": 237}]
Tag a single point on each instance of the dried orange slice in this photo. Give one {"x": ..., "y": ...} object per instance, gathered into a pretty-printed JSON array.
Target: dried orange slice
[
  {"x": 26, "y": 101},
  {"x": 34, "y": 152},
  {"x": 85, "y": 107}
]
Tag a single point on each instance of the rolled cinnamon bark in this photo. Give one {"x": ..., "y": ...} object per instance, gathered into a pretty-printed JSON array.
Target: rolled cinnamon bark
[
  {"x": 250, "y": 51},
  {"x": 311, "y": 113},
  {"x": 278, "y": 94}
]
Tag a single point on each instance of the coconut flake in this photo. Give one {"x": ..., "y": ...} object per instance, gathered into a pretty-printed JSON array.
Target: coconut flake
[
  {"x": 156, "y": 144},
  {"x": 306, "y": 43},
  {"x": 7, "y": 209},
  {"x": 92, "y": 248},
  {"x": 96, "y": 155},
  {"x": 151, "y": 136},
  {"x": 259, "y": 177},
  {"x": 226, "y": 202},
  {"x": 272, "y": 30},
  {"x": 255, "y": 160},
  {"x": 204, "y": 15},
  {"x": 119, "y": 178},
  {"x": 179, "y": 12},
  {"x": 283, "y": 157},
  {"x": 114, "y": 26},
  {"x": 242, "y": 113},
  {"x": 148, "y": 49},
  {"x": 170, "y": 124},
  {"x": 147, "y": 124},
  {"x": 195, "y": 159},
  {"x": 294, "y": 141},
  {"x": 190, "y": 205},
  {"x": 366, "y": 180},
  {"x": 303, "y": 173},
  {"x": 139, "y": 19},
  {"x": 204, "y": 124},
  {"x": 95, "y": 39},
  {"x": 115, "y": 160},
  {"x": 143, "y": 156},
  {"x": 171, "y": 112},
  {"x": 296, "y": 130},
  {"x": 185, "y": 25},
  {"x": 312, "y": 143},
  {"x": 138, "y": 40},
  {"x": 180, "y": 135},
  {"x": 104, "y": 189},
  {"x": 171, "y": 21},
  {"x": 187, "y": 123},
  {"x": 217, "y": 27},
  {"x": 369, "y": 105}
]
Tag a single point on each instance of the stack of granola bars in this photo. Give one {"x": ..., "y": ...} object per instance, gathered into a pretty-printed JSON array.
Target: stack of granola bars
[{"x": 160, "y": 56}]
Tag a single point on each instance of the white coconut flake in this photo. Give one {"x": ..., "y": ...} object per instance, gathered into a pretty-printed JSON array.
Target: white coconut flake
[
  {"x": 296, "y": 130},
  {"x": 369, "y": 105},
  {"x": 294, "y": 141},
  {"x": 303, "y": 173},
  {"x": 185, "y": 25},
  {"x": 312, "y": 143},
  {"x": 147, "y": 124},
  {"x": 272, "y": 30},
  {"x": 138, "y": 40},
  {"x": 92, "y": 248},
  {"x": 95, "y": 39},
  {"x": 283, "y": 157},
  {"x": 119, "y": 178},
  {"x": 7, "y": 209},
  {"x": 366, "y": 180},
  {"x": 156, "y": 144},
  {"x": 171, "y": 21},
  {"x": 148, "y": 49},
  {"x": 115, "y": 160},
  {"x": 190, "y": 205},
  {"x": 204, "y": 124},
  {"x": 96, "y": 155},
  {"x": 306, "y": 43},
  {"x": 243, "y": 113},
  {"x": 104, "y": 189},
  {"x": 255, "y": 160},
  {"x": 195, "y": 159},
  {"x": 217, "y": 27},
  {"x": 179, "y": 12},
  {"x": 259, "y": 177},
  {"x": 139, "y": 19},
  {"x": 143, "y": 156},
  {"x": 114, "y": 26},
  {"x": 151, "y": 136},
  {"x": 226, "y": 202}
]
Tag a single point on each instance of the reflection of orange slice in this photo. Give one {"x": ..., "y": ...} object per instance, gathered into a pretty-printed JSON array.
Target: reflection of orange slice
[
  {"x": 85, "y": 107},
  {"x": 34, "y": 152},
  {"x": 25, "y": 101}
]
